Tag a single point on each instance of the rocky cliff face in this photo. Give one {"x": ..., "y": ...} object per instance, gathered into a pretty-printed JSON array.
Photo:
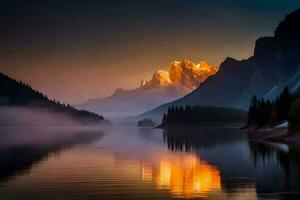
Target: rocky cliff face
[
  {"x": 160, "y": 78},
  {"x": 288, "y": 39},
  {"x": 184, "y": 73},
  {"x": 190, "y": 75},
  {"x": 275, "y": 64}
]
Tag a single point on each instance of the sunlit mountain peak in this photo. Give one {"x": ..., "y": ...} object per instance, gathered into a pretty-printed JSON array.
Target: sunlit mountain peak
[
  {"x": 184, "y": 73},
  {"x": 159, "y": 78}
]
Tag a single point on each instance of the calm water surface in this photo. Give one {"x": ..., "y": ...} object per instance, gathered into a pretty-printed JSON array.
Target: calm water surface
[{"x": 131, "y": 163}]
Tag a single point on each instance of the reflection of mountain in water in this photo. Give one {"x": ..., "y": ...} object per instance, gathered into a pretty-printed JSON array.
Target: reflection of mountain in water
[
  {"x": 225, "y": 148},
  {"x": 188, "y": 139},
  {"x": 271, "y": 170},
  {"x": 18, "y": 159},
  {"x": 277, "y": 169},
  {"x": 184, "y": 176},
  {"x": 220, "y": 164}
]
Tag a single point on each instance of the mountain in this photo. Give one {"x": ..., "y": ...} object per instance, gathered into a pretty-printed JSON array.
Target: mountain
[
  {"x": 184, "y": 73},
  {"x": 275, "y": 64},
  {"x": 164, "y": 86},
  {"x": 18, "y": 95}
]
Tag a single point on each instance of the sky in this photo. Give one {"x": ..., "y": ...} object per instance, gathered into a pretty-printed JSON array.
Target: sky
[{"x": 76, "y": 50}]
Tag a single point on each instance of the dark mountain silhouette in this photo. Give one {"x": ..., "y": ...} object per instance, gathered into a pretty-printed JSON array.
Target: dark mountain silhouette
[
  {"x": 13, "y": 93},
  {"x": 274, "y": 65}
]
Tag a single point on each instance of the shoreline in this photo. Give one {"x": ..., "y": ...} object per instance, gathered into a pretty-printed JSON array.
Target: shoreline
[
  {"x": 278, "y": 135},
  {"x": 203, "y": 124}
]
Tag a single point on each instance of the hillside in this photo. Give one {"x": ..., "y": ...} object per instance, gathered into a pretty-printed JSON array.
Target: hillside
[{"x": 17, "y": 94}]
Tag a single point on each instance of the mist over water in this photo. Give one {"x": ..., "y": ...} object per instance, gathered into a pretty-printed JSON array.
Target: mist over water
[
  {"x": 50, "y": 152},
  {"x": 126, "y": 162},
  {"x": 27, "y": 116}
]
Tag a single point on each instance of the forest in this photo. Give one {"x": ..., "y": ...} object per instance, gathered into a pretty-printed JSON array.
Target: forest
[
  {"x": 285, "y": 108},
  {"x": 192, "y": 116},
  {"x": 17, "y": 93}
]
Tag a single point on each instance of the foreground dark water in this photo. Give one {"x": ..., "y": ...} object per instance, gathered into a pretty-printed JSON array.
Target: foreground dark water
[{"x": 131, "y": 163}]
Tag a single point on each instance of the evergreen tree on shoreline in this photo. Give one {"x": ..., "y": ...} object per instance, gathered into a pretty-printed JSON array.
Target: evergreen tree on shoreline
[
  {"x": 180, "y": 116},
  {"x": 262, "y": 112}
]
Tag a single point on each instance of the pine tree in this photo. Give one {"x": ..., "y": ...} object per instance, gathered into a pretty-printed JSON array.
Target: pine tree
[
  {"x": 283, "y": 104},
  {"x": 164, "y": 120},
  {"x": 252, "y": 114},
  {"x": 194, "y": 115},
  {"x": 263, "y": 112}
]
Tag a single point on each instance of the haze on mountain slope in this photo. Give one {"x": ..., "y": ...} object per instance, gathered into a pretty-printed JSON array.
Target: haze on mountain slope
[{"x": 164, "y": 86}]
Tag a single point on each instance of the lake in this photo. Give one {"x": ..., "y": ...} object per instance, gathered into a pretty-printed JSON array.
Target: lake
[{"x": 126, "y": 162}]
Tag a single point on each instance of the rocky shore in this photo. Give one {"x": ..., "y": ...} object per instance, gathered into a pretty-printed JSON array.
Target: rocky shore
[{"x": 274, "y": 134}]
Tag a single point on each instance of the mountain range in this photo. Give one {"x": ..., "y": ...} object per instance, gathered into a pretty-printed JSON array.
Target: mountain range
[
  {"x": 274, "y": 65},
  {"x": 183, "y": 77}
]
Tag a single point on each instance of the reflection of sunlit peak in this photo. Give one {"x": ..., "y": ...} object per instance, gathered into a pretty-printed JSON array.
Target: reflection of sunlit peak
[
  {"x": 165, "y": 170},
  {"x": 197, "y": 186},
  {"x": 147, "y": 172},
  {"x": 186, "y": 176}
]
